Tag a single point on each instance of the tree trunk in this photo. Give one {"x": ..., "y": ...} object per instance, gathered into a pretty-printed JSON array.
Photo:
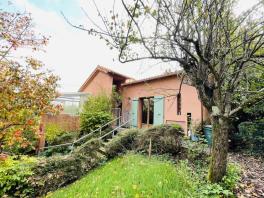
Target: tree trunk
[{"x": 218, "y": 162}]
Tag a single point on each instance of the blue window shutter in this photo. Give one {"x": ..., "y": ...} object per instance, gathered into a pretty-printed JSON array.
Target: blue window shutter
[
  {"x": 158, "y": 110},
  {"x": 134, "y": 112}
]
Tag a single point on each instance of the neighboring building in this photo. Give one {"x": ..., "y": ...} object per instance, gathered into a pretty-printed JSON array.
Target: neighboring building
[
  {"x": 71, "y": 102},
  {"x": 151, "y": 101}
]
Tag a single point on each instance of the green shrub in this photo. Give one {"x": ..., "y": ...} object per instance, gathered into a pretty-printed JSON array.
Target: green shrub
[
  {"x": 56, "y": 151},
  {"x": 226, "y": 187},
  {"x": 164, "y": 139},
  {"x": 232, "y": 176},
  {"x": 250, "y": 137},
  {"x": 95, "y": 113},
  {"x": 14, "y": 175},
  {"x": 52, "y": 131},
  {"x": 66, "y": 137},
  {"x": 214, "y": 190},
  {"x": 122, "y": 142},
  {"x": 177, "y": 127},
  {"x": 94, "y": 120},
  {"x": 195, "y": 151},
  {"x": 100, "y": 103}
]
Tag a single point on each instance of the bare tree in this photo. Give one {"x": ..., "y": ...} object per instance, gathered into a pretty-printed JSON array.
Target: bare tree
[{"x": 215, "y": 47}]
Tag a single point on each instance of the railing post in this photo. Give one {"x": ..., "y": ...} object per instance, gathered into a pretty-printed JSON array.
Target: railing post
[
  {"x": 72, "y": 147},
  {"x": 119, "y": 115}
]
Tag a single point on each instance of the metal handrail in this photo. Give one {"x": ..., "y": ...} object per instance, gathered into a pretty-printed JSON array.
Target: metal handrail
[
  {"x": 87, "y": 135},
  {"x": 83, "y": 137},
  {"x": 59, "y": 145},
  {"x": 100, "y": 138},
  {"x": 115, "y": 129}
]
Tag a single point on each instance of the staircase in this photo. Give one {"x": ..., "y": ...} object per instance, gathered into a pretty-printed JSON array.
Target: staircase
[{"x": 123, "y": 122}]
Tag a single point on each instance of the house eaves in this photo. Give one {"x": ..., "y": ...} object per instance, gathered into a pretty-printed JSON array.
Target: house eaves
[{"x": 176, "y": 74}]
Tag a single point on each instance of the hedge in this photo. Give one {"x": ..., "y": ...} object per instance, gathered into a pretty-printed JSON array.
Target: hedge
[
  {"x": 121, "y": 143},
  {"x": 164, "y": 139},
  {"x": 14, "y": 175},
  {"x": 58, "y": 171},
  {"x": 250, "y": 137},
  {"x": 52, "y": 173}
]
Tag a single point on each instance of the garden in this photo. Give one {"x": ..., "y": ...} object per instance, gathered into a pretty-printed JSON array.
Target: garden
[
  {"x": 89, "y": 159},
  {"x": 155, "y": 162},
  {"x": 179, "y": 165}
]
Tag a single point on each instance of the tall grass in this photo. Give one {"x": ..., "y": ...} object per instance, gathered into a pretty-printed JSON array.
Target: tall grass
[{"x": 134, "y": 176}]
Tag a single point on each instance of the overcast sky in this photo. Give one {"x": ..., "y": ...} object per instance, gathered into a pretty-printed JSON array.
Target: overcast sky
[{"x": 71, "y": 53}]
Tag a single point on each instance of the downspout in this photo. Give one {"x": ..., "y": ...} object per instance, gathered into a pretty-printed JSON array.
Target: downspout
[
  {"x": 181, "y": 83},
  {"x": 202, "y": 120},
  {"x": 179, "y": 95}
]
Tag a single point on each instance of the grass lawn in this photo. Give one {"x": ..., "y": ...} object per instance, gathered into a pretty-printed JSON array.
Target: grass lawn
[{"x": 134, "y": 176}]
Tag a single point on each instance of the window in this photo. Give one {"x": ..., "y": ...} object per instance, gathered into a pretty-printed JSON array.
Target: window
[{"x": 189, "y": 121}]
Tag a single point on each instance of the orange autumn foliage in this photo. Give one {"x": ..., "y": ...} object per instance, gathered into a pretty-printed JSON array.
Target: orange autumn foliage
[{"x": 26, "y": 88}]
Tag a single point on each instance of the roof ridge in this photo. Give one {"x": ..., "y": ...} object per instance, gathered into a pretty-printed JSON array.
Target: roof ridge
[{"x": 112, "y": 71}]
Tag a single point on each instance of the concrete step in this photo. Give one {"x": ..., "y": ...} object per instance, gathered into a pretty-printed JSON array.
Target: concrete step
[{"x": 102, "y": 150}]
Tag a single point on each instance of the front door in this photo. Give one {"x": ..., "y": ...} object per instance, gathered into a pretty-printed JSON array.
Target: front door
[{"x": 147, "y": 111}]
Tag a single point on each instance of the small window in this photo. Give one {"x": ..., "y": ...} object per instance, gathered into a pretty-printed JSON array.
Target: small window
[
  {"x": 189, "y": 121},
  {"x": 179, "y": 104}
]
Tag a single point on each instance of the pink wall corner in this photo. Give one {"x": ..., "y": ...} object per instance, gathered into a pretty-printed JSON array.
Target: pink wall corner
[{"x": 101, "y": 83}]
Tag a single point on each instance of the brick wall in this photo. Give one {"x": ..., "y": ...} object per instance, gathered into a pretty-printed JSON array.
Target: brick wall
[{"x": 64, "y": 121}]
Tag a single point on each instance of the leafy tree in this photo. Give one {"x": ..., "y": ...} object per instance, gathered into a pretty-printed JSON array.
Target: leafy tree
[
  {"x": 26, "y": 89},
  {"x": 215, "y": 47}
]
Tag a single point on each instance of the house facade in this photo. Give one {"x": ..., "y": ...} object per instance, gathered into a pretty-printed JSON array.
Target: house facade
[{"x": 164, "y": 99}]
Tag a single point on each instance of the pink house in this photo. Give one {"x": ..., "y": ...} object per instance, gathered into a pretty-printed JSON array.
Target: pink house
[
  {"x": 102, "y": 80},
  {"x": 152, "y": 101}
]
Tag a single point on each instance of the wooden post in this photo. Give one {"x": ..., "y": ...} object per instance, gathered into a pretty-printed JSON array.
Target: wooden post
[
  {"x": 150, "y": 148},
  {"x": 148, "y": 114},
  {"x": 41, "y": 139},
  {"x": 139, "y": 114}
]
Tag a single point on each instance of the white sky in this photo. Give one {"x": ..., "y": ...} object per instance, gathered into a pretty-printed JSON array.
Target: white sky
[{"x": 73, "y": 55}]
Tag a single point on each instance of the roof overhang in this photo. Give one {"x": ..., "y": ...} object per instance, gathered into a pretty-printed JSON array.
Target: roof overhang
[{"x": 173, "y": 74}]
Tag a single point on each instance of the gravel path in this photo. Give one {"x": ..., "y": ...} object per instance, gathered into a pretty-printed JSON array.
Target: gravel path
[{"x": 252, "y": 182}]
